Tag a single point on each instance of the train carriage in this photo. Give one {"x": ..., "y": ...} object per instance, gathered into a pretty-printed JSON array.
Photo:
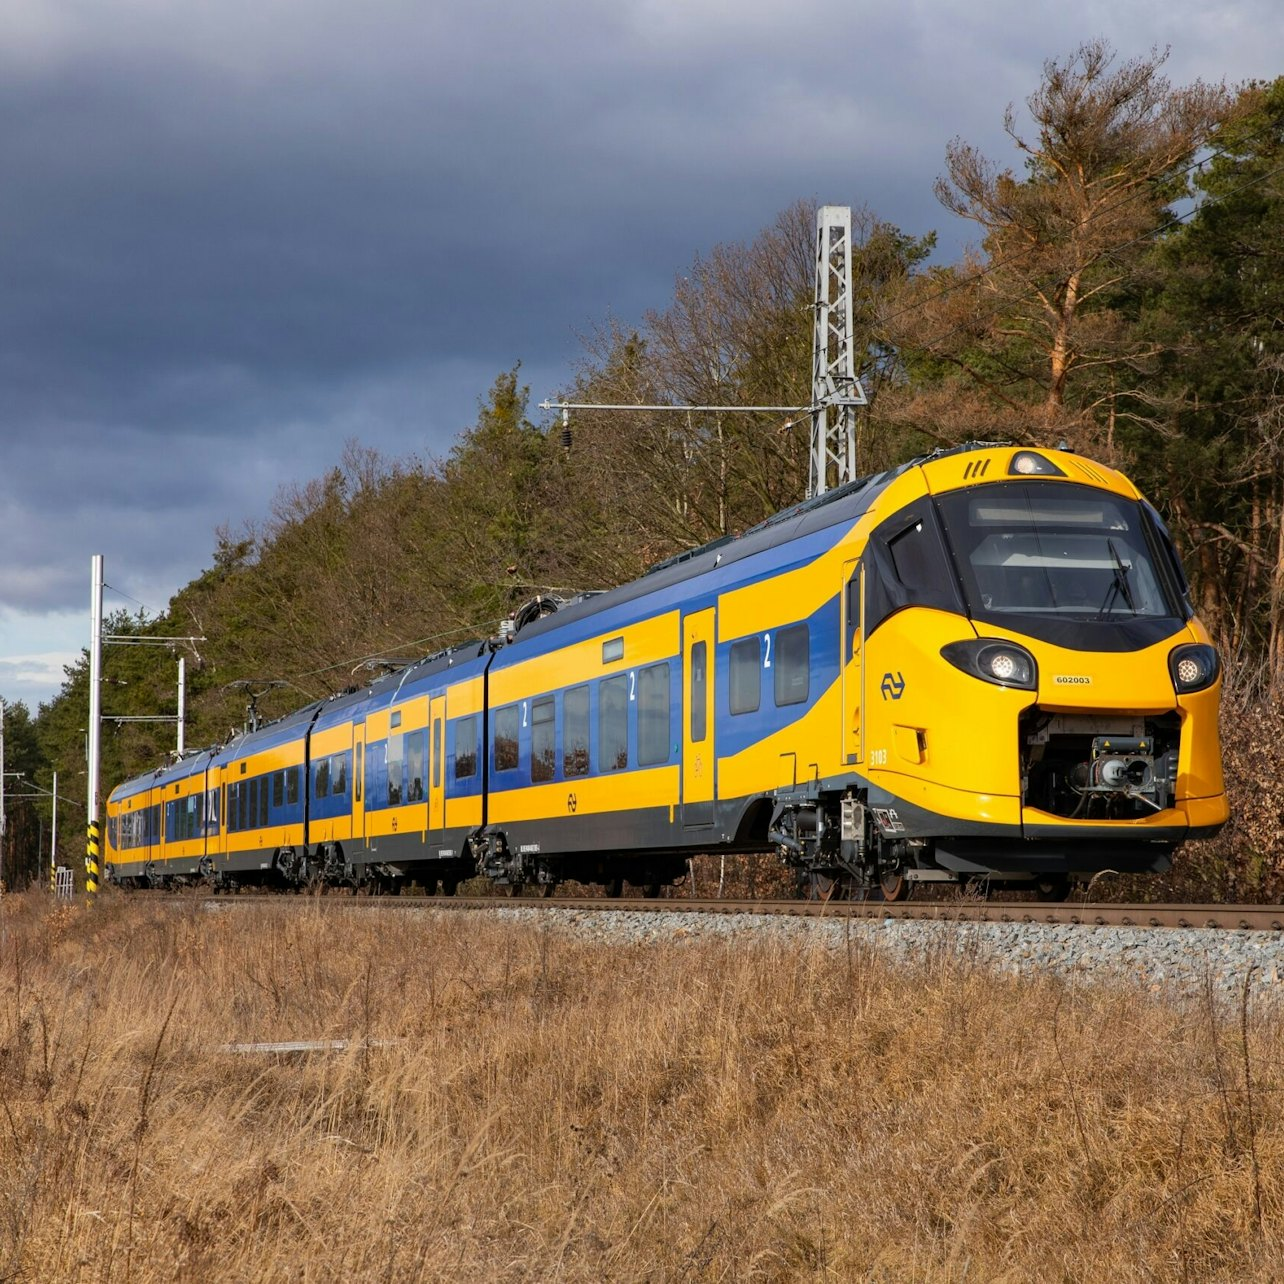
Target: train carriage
[
  {"x": 164, "y": 825},
  {"x": 334, "y": 794},
  {"x": 262, "y": 778},
  {"x": 583, "y": 748},
  {"x": 422, "y": 777}
]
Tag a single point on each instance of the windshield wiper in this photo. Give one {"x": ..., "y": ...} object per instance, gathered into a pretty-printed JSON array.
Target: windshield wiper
[{"x": 1119, "y": 586}]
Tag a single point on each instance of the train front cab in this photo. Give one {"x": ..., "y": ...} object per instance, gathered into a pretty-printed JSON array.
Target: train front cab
[{"x": 1036, "y": 697}]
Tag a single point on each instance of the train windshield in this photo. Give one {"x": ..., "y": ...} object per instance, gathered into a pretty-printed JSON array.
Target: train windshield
[{"x": 1044, "y": 548}]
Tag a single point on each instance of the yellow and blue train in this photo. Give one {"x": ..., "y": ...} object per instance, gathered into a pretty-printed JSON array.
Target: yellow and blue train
[{"x": 981, "y": 665}]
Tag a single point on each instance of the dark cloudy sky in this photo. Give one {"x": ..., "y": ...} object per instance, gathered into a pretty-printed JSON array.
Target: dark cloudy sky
[{"x": 234, "y": 236}]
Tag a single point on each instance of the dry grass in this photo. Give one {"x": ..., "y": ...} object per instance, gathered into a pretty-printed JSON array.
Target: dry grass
[{"x": 519, "y": 1105}]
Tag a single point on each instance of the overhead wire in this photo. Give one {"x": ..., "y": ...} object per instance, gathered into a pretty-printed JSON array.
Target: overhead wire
[{"x": 121, "y": 593}]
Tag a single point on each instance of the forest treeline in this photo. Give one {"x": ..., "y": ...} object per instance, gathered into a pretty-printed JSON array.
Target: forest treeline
[{"x": 1125, "y": 295}]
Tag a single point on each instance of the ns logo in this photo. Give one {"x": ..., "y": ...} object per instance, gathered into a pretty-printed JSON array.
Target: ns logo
[{"x": 892, "y": 686}]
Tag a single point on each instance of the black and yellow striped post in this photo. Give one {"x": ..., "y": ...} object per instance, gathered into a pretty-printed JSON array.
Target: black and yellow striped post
[{"x": 91, "y": 859}]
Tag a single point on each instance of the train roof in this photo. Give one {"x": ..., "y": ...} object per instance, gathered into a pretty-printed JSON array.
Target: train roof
[
  {"x": 277, "y": 732},
  {"x": 403, "y": 683},
  {"x": 839, "y": 506},
  {"x": 192, "y": 763}
]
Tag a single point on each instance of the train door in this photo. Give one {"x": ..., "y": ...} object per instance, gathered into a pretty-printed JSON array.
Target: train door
[
  {"x": 853, "y": 666},
  {"x": 698, "y": 762},
  {"x": 152, "y": 826},
  {"x": 209, "y": 814},
  {"x": 359, "y": 783},
  {"x": 436, "y": 770},
  {"x": 216, "y": 812}
]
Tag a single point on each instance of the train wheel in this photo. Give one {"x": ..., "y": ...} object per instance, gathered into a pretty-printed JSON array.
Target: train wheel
[
  {"x": 1052, "y": 888},
  {"x": 651, "y": 890},
  {"x": 613, "y": 887},
  {"x": 513, "y": 890},
  {"x": 546, "y": 890},
  {"x": 449, "y": 886},
  {"x": 893, "y": 884},
  {"x": 820, "y": 887}
]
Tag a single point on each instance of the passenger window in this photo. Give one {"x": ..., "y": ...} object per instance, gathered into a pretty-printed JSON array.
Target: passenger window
[
  {"x": 415, "y": 767},
  {"x": 465, "y": 748},
  {"x": 436, "y": 753},
  {"x": 278, "y": 788},
  {"x": 792, "y": 665},
  {"x": 395, "y": 762},
  {"x": 339, "y": 774},
  {"x": 575, "y": 731},
  {"x": 321, "y": 779},
  {"x": 699, "y": 691},
  {"x": 746, "y": 675},
  {"x": 506, "y": 738},
  {"x": 543, "y": 740},
  {"x": 613, "y": 723},
  {"x": 653, "y": 715},
  {"x": 263, "y": 802},
  {"x": 853, "y": 614}
]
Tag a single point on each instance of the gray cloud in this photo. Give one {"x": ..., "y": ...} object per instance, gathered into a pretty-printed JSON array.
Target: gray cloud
[{"x": 233, "y": 236}]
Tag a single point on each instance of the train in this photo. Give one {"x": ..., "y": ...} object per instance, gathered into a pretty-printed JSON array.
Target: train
[{"x": 981, "y": 667}]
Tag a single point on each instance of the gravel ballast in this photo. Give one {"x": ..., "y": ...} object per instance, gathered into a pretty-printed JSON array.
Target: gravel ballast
[{"x": 1178, "y": 961}]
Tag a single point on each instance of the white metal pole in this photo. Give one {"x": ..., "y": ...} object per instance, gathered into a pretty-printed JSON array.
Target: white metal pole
[
  {"x": 53, "y": 840},
  {"x": 95, "y": 720},
  {"x": 2, "y": 828},
  {"x": 182, "y": 702}
]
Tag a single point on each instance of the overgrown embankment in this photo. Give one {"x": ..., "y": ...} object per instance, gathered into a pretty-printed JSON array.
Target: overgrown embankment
[{"x": 516, "y": 1104}]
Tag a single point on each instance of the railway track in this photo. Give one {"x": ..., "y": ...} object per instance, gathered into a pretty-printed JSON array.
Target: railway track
[{"x": 1238, "y": 918}]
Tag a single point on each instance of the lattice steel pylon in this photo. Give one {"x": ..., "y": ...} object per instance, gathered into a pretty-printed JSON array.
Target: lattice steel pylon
[{"x": 836, "y": 392}]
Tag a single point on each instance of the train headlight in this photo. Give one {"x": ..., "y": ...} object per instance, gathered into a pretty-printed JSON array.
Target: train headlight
[
  {"x": 1004, "y": 663},
  {"x": 1004, "y": 666},
  {"x": 1029, "y": 463},
  {"x": 1193, "y": 667}
]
